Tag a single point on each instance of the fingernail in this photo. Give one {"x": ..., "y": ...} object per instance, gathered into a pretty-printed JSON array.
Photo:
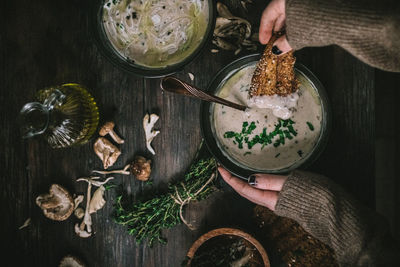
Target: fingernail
[
  {"x": 218, "y": 164},
  {"x": 276, "y": 51},
  {"x": 252, "y": 180}
]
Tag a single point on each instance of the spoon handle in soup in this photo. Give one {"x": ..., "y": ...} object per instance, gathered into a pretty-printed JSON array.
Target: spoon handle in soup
[{"x": 175, "y": 85}]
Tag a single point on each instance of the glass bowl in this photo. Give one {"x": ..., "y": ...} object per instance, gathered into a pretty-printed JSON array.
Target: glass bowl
[
  {"x": 238, "y": 168},
  {"x": 107, "y": 50}
]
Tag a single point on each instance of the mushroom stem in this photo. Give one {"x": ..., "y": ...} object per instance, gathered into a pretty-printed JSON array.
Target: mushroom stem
[
  {"x": 115, "y": 137},
  {"x": 87, "y": 219},
  {"x": 123, "y": 171},
  {"x": 108, "y": 128}
]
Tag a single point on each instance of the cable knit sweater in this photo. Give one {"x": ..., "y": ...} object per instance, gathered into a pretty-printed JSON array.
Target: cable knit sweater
[
  {"x": 368, "y": 29},
  {"x": 358, "y": 236}
]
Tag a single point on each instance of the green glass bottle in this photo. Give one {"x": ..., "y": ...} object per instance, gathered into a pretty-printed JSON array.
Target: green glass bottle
[{"x": 64, "y": 115}]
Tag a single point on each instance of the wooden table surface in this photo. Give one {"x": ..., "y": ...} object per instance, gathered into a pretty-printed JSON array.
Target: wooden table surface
[{"x": 48, "y": 43}]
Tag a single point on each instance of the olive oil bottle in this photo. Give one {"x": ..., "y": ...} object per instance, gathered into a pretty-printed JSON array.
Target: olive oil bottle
[{"x": 64, "y": 115}]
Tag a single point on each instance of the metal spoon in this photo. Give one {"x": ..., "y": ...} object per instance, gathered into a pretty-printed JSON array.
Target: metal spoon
[{"x": 175, "y": 85}]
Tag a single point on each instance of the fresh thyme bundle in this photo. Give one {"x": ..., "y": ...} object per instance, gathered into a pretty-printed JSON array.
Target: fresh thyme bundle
[{"x": 146, "y": 219}]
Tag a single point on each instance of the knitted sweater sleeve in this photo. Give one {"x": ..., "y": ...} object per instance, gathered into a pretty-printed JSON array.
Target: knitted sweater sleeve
[
  {"x": 370, "y": 30},
  {"x": 358, "y": 236}
]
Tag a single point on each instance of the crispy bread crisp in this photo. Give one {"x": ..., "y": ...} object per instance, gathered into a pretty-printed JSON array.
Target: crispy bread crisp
[{"x": 274, "y": 74}]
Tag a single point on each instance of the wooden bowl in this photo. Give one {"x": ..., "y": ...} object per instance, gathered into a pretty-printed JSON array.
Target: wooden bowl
[{"x": 228, "y": 232}]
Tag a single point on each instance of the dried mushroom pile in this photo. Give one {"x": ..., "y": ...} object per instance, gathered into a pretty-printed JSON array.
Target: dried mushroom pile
[
  {"x": 233, "y": 33},
  {"x": 58, "y": 204}
]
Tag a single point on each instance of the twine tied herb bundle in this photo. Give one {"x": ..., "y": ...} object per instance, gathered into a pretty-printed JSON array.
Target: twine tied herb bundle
[{"x": 146, "y": 219}]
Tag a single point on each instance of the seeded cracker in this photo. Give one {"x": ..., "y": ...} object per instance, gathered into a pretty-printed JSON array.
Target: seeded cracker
[{"x": 274, "y": 74}]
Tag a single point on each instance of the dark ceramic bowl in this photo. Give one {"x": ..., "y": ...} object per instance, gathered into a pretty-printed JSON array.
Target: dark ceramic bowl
[
  {"x": 208, "y": 130},
  {"x": 107, "y": 49}
]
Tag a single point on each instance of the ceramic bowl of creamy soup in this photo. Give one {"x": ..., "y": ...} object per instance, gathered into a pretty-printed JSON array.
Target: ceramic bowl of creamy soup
[
  {"x": 152, "y": 38},
  {"x": 275, "y": 134}
]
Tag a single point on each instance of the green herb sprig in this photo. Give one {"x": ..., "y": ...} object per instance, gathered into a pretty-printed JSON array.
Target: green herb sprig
[{"x": 146, "y": 219}]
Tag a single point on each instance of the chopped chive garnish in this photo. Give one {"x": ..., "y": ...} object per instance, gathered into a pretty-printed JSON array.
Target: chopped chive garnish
[
  {"x": 283, "y": 130},
  {"x": 277, "y": 155},
  {"x": 292, "y": 130},
  {"x": 300, "y": 153},
  {"x": 229, "y": 134},
  {"x": 247, "y": 153},
  {"x": 310, "y": 126}
]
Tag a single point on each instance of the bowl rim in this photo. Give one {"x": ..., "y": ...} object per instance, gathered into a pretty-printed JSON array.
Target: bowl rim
[
  {"x": 210, "y": 140},
  {"x": 107, "y": 50},
  {"x": 227, "y": 231}
]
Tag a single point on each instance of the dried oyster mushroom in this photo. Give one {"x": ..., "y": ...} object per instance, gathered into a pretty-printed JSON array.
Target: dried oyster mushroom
[
  {"x": 106, "y": 151},
  {"x": 58, "y": 205},
  {"x": 148, "y": 124},
  {"x": 97, "y": 201},
  {"x": 87, "y": 219},
  {"x": 141, "y": 168}
]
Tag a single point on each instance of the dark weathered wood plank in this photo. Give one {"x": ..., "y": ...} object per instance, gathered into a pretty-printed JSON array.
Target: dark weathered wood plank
[{"x": 46, "y": 43}]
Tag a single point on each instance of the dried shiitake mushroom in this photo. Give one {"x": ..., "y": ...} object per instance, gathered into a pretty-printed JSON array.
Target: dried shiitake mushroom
[
  {"x": 58, "y": 205},
  {"x": 141, "y": 169},
  {"x": 106, "y": 151}
]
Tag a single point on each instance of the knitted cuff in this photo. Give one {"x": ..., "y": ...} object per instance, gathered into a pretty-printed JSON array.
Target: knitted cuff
[
  {"x": 326, "y": 22},
  {"x": 327, "y": 212}
]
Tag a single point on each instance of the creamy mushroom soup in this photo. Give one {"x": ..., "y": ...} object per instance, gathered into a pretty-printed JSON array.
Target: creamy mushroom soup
[
  {"x": 257, "y": 139},
  {"x": 155, "y": 33}
]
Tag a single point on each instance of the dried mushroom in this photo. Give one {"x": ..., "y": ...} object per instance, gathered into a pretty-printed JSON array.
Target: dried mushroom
[
  {"x": 191, "y": 76},
  {"x": 58, "y": 205},
  {"x": 78, "y": 200},
  {"x": 71, "y": 261},
  {"x": 97, "y": 201},
  {"x": 26, "y": 224},
  {"x": 106, "y": 151},
  {"x": 84, "y": 229},
  {"x": 140, "y": 168},
  {"x": 231, "y": 32},
  {"x": 108, "y": 128},
  {"x": 148, "y": 124},
  {"x": 79, "y": 213}
]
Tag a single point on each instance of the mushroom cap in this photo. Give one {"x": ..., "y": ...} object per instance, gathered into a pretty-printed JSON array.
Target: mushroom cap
[
  {"x": 141, "y": 168},
  {"x": 71, "y": 261},
  {"x": 106, "y": 128},
  {"x": 58, "y": 205}
]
